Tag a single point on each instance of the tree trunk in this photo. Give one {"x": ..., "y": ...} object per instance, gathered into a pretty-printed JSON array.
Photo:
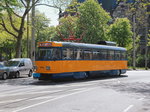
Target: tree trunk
[
  {"x": 19, "y": 38},
  {"x": 18, "y": 47}
]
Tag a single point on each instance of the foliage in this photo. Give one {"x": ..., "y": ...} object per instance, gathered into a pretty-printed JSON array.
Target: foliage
[
  {"x": 67, "y": 27},
  {"x": 140, "y": 61},
  {"x": 120, "y": 32},
  {"x": 92, "y": 21},
  {"x": 7, "y": 41},
  {"x": 149, "y": 39},
  {"x": 41, "y": 26},
  {"x": 4, "y": 7},
  {"x": 6, "y": 49},
  {"x": 17, "y": 9},
  {"x": 46, "y": 34},
  {"x": 73, "y": 8},
  {"x": 61, "y": 4}
]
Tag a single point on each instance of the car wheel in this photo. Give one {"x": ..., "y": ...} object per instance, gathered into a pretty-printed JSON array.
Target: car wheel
[
  {"x": 4, "y": 76},
  {"x": 17, "y": 75},
  {"x": 30, "y": 73}
]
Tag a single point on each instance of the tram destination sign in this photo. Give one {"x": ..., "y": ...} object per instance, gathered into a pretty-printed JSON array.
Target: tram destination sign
[{"x": 45, "y": 44}]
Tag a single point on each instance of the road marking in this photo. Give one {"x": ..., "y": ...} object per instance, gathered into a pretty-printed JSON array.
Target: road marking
[
  {"x": 16, "y": 90},
  {"x": 41, "y": 98},
  {"x": 24, "y": 88},
  {"x": 30, "y": 93},
  {"x": 10, "y": 101},
  {"x": 63, "y": 96},
  {"x": 128, "y": 108}
]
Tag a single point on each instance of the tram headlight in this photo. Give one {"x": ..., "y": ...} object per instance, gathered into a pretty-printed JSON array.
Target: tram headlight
[{"x": 47, "y": 67}]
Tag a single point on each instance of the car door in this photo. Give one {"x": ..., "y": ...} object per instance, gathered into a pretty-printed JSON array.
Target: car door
[{"x": 22, "y": 69}]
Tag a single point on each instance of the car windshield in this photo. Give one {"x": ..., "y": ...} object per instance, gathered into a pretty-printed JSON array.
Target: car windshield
[{"x": 12, "y": 63}]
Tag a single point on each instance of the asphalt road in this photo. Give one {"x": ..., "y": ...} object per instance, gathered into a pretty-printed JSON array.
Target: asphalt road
[{"x": 127, "y": 93}]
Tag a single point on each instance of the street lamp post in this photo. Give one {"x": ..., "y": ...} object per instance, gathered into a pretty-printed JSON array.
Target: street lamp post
[
  {"x": 146, "y": 49},
  {"x": 134, "y": 37}
]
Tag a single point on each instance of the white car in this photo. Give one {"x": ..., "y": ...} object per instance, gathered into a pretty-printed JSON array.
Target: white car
[{"x": 19, "y": 67}]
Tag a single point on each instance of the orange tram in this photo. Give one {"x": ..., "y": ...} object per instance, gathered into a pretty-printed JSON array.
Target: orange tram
[{"x": 78, "y": 60}]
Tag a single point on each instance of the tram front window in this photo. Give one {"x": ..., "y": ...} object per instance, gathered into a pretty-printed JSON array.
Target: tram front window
[{"x": 49, "y": 54}]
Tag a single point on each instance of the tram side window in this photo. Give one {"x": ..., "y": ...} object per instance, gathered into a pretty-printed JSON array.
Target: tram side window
[
  {"x": 111, "y": 55},
  {"x": 42, "y": 55},
  {"x": 68, "y": 53},
  {"x": 56, "y": 54},
  {"x": 103, "y": 54},
  {"x": 48, "y": 55},
  {"x": 117, "y": 55},
  {"x": 78, "y": 54},
  {"x": 123, "y": 55},
  {"x": 96, "y": 55},
  {"x": 87, "y": 54}
]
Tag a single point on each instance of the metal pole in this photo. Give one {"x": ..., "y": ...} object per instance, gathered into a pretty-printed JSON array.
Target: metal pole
[
  {"x": 134, "y": 37},
  {"x": 146, "y": 49},
  {"x": 33, "y": 33}
]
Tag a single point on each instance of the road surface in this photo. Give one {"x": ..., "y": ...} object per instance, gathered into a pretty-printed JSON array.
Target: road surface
[{"x": 127, "y": 93}]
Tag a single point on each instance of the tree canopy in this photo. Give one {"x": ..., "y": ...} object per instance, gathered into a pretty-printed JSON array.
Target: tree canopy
[
  {"x": 120, "y": 32},
  {"x": 93, "y": 21}
]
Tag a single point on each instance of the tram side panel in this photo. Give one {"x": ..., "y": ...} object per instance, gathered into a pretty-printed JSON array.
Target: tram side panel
[{"x": 53, "y": 67}]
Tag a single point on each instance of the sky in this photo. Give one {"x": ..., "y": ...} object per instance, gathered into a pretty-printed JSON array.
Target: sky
[{"x": 50, "y": 13}]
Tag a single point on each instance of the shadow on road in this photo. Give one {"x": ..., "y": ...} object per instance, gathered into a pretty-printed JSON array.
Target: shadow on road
[
  {"x": 67, "y": 80},
  {"x": 30, "y": 81}
]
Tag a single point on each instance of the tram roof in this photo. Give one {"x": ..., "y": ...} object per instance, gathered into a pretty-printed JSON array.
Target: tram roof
[
  {"x": 87, "y": 46},
  {"x": 91, "y": 46}
]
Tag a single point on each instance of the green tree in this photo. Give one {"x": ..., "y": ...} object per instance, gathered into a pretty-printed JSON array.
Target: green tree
[
  {"x": 8, "y": 42},
  {"x": 11, "y": 8},
  {"x": 6, "y": 46},
  {"x": 67, "y": 27},
  {"x": 120, "y": 32},
  {"x": 41, "y": 26},
  {"x": 93, "y": 21},
  {"x": 19, "y": 9}
]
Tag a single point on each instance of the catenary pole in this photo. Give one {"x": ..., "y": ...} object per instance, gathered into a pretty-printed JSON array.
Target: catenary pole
[
  {"x": 146, "y": 48},
  {"x": 134, "y": 37}
]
